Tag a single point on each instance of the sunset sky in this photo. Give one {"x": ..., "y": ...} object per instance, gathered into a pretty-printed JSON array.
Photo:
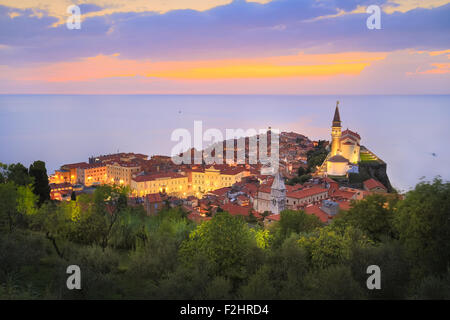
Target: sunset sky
[{"x": 225, "y": 47}]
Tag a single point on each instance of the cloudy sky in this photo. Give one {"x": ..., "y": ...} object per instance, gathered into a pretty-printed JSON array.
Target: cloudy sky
[{"x": 225, "y": 47}]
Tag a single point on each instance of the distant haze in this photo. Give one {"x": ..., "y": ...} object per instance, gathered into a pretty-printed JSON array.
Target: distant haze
[{"x": 410, "y": 133}]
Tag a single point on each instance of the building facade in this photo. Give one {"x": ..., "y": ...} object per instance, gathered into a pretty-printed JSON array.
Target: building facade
[{"x": 170, "y": 183}]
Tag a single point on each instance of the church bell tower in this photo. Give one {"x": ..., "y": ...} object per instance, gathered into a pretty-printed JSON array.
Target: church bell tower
[
  {"x": 336, "y": 132},
  {"x": 278, "y": 194}
]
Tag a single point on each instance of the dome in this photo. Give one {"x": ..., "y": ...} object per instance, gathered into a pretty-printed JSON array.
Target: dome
[{"x": 338, "y": 158}]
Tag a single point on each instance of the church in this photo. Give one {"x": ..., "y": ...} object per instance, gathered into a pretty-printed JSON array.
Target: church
[{"x": 345, "y": 150}]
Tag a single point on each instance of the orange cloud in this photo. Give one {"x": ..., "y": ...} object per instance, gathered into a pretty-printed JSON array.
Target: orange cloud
[
  {"x": 439, "y": 68},
  {"x": 301, "y": 65}
]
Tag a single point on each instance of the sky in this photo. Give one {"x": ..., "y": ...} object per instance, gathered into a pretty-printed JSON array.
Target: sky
[{"x": 225, "y": 47}]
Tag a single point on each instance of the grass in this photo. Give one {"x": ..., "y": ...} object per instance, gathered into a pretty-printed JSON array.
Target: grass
[{"x": 368, "y": 157}]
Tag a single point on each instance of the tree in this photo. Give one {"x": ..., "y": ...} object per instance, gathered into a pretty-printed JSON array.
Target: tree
[
  {"x": 294, "y": 222},
  {"x": 225, "y": 242},
  {"x": 335, "y": 283},
  {"x": 301, "y": 171},
  {"x": 331, "y": 246},
  {"x": 316, "y": 156},
  {"x": 109, "y": 203},
  {"x": 18, "y": 174},
  {"x": 54, "y": 221},
  {"x": 422, "y": 221},
  {"x": 40, "y": 185},
  {"x": 391, "y": 257},
  {"x": 8, "y": 203},
  {"x": 26, "y": 201},
  {"x": 372, "y": 215},
  {"x": 3, "y": 168}
]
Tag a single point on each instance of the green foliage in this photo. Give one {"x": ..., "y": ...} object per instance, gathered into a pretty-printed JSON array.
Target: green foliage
[
  {"x": 8, "y": 201},
  {"x": 40, "y": 181},
  {"x": 333, "y": 283},
  {"x": 372, "y": 215},
  {"x": 316, "y": 156},
  {"x": 224, "y": 241},
  {"x": 358, "y": 177},
  {"x": 330, "y": 246},
  {"x": 302, "y": 171},
  {"x": 123, "y": 253},
  {"x": 299, "y": 180},
  {"x": 434, "y": 287},
  {"x": 262, "y": 237},
  {"x": 3, "y": 168},
  {"x": 422, "y": 221},
  {"x": 294, "y": 222},
  {"x": 391, "y": 257},
  {"x": 18, "y": 174}
]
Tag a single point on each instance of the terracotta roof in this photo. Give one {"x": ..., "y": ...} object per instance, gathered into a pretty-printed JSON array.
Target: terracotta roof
[
  {"x": 154, "y": 198},
  {"x": 250, "y": 188},
  {"x": 93, "y": 166},
  {"x": 329, "y": 180},
  {"x": 338, "y": 158},
  {"x": 293, "y": 188},
  {"x": 315, "y": 210},
  {"x": 194, "y": 216},
  {"x": 304, "y": 193},
  {"x": 344, "y": 205},
  {"x": 124, "y": 164},
  {"x": 156, "y": 176},
  {"x": 238, "y": 210},
  {"x": 231, "y": 171},
  {"x": 351, "y": 133},
  {"x": 372, "y": 184},
  {"x": 221, "y": 191},
  {"x": 274, "y": 217},
  {"x": 75, "y": 165},
  {"x": 343, "y": 194}
]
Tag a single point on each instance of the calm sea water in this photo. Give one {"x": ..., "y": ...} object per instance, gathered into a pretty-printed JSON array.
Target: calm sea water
[{"x": 410, "y": 133}]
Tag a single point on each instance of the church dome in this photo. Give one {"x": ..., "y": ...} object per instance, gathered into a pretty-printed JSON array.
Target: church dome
[{"x": 338, "y": 158}]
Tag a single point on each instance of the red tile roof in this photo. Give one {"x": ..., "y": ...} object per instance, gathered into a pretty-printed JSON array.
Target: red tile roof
[
  {"x": 75, "y": 165},
  {"x": 238, "y": 210},
  {"x": 156, "y": 176},
  {"x": 304, "y": 193},
  {"x": 154, "y": 198},
  {"x": 221, "y": 191},
  {"x": 315, "y": 210},
  {"x": 372, "y": 184},
  {"x": 274, "y": 217},
  {"x": 344, "y": 205},
  {"x": 351, "y": 133},
  {"x": 343, "y": 194},
  {"x": 194, "y": 216}
]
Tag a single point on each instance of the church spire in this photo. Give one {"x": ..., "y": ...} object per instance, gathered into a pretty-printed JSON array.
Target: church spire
[{"x": 337, "y": 117}]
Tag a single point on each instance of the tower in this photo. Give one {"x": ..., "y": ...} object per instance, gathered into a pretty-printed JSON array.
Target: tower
[
  {"x": 336, "y": 132},
  {"x": 278, "y": 195}
]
